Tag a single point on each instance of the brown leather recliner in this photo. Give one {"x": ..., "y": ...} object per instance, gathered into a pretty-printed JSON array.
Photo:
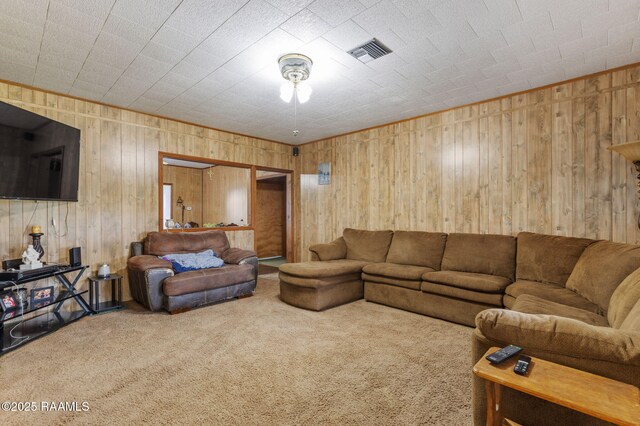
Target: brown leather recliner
[{"x": 155, "y": 285}]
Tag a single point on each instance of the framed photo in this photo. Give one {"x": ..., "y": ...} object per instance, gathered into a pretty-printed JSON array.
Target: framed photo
[
  {"x": 42, "y": 295},
  {"x": 8, "y": 301},
  {"x": 8, "y": 315},
  {"x": 324, "y": 173}
]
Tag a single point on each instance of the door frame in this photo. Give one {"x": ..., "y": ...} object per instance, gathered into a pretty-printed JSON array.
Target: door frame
[
  {"x": 289, "y": 211},
  {"x": 164, "y": 186}
]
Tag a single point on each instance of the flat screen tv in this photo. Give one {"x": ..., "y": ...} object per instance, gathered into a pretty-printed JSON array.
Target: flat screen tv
[{"x": 39, "y": 157}]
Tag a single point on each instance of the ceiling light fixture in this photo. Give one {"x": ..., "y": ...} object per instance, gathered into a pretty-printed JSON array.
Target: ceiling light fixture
[{"x": 295, "y": 68}]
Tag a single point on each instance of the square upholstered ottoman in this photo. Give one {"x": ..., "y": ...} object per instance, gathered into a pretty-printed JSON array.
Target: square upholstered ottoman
[{"x": 321, "y": 285}]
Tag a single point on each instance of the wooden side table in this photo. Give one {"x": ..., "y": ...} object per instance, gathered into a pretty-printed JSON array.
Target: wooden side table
[
  {"x": 597, "y": 396},
  {"x": 116, "y": 296}
]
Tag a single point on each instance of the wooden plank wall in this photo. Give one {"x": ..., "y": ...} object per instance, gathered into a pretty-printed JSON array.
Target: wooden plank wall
[
  {"x": 118, "y": 194},
  {"x": 529, "y": 162},
  {"x": 227, "y": 195},
  {"x": 186, "y": 183}
]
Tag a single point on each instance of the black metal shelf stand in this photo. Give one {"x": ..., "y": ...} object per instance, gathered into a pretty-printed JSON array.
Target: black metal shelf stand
[{"x": 16, "y": 331}]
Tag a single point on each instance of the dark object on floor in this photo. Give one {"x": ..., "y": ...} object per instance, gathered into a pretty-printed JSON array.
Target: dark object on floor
[{"x": 266, "y": 269}]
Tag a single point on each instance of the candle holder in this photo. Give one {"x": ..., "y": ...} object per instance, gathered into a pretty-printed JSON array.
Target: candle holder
[{"x": 36, "y": 243}]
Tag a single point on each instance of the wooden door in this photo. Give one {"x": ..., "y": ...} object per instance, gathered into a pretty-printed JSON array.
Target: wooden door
[{"x": 270, "y": 222}]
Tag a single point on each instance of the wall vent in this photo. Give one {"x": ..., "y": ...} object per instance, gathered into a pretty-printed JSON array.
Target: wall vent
[{"x": 373, "y": 49}]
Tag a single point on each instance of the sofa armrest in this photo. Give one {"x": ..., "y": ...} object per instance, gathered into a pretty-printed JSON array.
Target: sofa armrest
[
  {"x": 145, "y": 261},
  {"x": 253, "y": 261},
  {"x": 146, "y": 276},
  {"x": 560, "y": 336},
  {"x": 236, "y": 255},
  {"x": 136, "y": 249},
  {"x": 336, "y": 249}
]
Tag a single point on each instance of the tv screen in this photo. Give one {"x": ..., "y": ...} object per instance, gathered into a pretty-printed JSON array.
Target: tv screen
[{"x": 39, "y": 157}]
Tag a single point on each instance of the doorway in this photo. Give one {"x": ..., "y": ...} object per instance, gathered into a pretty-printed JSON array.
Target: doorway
[{"x": 273, "y": 219}]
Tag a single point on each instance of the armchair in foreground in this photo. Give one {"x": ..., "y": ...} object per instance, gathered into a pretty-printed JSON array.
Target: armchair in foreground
[{"x": 156, "y": 285}]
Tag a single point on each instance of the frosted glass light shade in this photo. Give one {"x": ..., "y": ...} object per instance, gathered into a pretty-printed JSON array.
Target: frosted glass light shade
[
  {"x": 630, "y": 151},
  {"x": 286, "y": 92},
  {"x": 303, "y": 91}
]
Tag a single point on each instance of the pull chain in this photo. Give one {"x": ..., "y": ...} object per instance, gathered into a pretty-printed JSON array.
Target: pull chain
[{"x": 295, "y": 110}]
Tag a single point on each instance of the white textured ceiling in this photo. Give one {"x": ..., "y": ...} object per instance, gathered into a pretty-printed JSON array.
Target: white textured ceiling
[{"x": 214, "y": 62}]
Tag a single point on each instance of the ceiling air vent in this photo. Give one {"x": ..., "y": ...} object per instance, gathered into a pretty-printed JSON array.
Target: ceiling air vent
[{"x": 373, "y": 49}]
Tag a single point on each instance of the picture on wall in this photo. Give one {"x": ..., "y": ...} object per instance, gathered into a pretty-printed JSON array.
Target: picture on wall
[{"x": 324, "y": 173}]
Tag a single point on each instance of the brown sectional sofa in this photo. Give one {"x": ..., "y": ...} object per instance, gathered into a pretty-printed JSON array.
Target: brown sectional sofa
[
  {"x": 465, "y": 279},
  {"x": 574, "y": 301},
  {"x": 592, "y": 324}
]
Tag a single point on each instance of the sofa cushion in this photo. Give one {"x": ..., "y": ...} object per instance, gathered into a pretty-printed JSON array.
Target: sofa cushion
[
  {"x": 623, "y": 299},
  {"x": 600, "y": 270},
  {"x": 318, "y": 282},
  {"x": 480, "y": 253},
  {"x": 206, "y": 279},
  {"x": 529, "y": 304},
  {"x": 552, "y": 292},
  {"x": 632, "y": 321},
  {"x": 417, "y": 248},
  {"x": 327, "y": 268},
  {"x": 471, "y": 281},
  {"x": 398, "y": 282},
  {"x": 403, "y": 272},
  {"x": 161, "y": 243},
  {"x": 371, "y": 246},
  {"x": 494, "y": 299},
  {"x": 548, "y": 258}
]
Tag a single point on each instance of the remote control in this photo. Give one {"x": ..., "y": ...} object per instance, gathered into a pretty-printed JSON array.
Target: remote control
[
  {"x": 522, "y": 365},
  {"x": 503, "y": 354}
]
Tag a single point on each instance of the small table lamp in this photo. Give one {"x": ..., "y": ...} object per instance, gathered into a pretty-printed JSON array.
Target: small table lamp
[
  {"x": 630, "y": 151},
  {"x": 180, "y": 203}
]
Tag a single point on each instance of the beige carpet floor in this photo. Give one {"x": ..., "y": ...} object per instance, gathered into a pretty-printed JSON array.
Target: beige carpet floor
[{"x": 254, "y": 361}]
